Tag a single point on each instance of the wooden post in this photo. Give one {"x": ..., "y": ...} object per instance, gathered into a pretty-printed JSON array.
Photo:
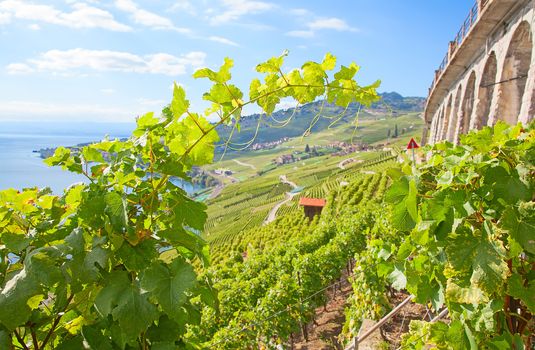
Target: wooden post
[{"x": 303, "y": 325}]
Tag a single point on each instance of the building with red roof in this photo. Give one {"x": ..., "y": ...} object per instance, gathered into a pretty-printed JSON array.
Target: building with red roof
[{"x": 312, "y": 206}]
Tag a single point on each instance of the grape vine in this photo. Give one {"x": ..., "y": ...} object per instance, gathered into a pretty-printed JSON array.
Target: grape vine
[{"x": 109, "y": 264}]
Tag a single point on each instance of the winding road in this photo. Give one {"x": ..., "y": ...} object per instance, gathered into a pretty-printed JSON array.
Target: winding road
[
  {"x": 217, "y": 190},
  {"x": 285, "y": 180},
  {"x": 273, "y": 212},
  {"x": 244, "y": 164},
  {"x": 288, "y": 197}
]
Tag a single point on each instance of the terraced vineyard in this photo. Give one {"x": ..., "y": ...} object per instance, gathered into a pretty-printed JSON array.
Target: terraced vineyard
[
  {"x": 245, "y": 205},
  {"x": 348, "y": 186},
  {"x": 261, "y": 269}
]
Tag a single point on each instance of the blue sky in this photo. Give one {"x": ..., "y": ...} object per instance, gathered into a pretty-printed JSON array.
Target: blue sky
[{"x": 110, "y": 60}]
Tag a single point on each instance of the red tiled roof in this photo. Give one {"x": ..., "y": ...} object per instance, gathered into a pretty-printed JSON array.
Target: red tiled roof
[{"x": 312, "y": 202}]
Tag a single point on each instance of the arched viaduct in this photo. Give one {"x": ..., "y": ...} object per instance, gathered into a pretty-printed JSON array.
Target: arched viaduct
[{"x": 488, "y": 73}]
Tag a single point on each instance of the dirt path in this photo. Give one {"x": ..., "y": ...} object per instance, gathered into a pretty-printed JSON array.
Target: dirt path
[
  {"x": 285, "y": 180},
  {"x": 323, "y": 335},
  {"x": 244, "y": 164},
  {"x": 217, "y": 190},
  {"x": 273, "y": 212},
  {"x": 289, "y": 196}
]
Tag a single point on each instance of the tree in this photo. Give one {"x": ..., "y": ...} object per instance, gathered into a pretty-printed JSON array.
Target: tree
[
  {"x": 111, "y": 261},
  {"x": 396, "y": 134},
  {"x": 388, "y": 133},
  {"x": 307, "y": 148}
]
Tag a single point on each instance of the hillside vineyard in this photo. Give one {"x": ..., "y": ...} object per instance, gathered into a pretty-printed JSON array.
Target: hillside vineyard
[{"x": 429, "y": 250}]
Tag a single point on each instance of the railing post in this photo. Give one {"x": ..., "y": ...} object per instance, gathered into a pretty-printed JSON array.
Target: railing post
[{"x": 451, "y": 47}]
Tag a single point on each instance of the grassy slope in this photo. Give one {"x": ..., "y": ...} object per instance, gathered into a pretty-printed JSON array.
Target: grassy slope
[{"x": 371, "y": 131}]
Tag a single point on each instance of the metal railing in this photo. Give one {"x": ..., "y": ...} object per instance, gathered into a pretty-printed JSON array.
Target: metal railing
[
  {"x": 468, "y": 23},
  {"x": 354, "y": 344}
]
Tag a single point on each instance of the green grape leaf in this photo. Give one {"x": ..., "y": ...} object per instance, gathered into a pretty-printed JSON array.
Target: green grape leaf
[
  {"x": 397, "y": 278},
  {"x": 272, "y": 65},
  {"x": 507, "y": 185},
  {"x": 218, "y": 77},
  {"x": 490, "y": 268},
  {"x": 194, "y": 138},
  {"x": 116, "y": 210},
  {"x": 137, "y": 257},
  {"x": 403, "y": 194},
  {"x": 329, "y": 62},
  {"x": 127, "y": 303},
  {"x": 520, "y": 227},
  {"x": 254, "y": 89},
  {"x": 5, "y": 339},
  {"x": 14, "y": 309},
  {"x": 479, "y": 258},
  {"x": 347, "y": 73},
  {"x": 179, "y": 104},
  {"x": 146, "y": 122},
  {"x": 517, "y": 289},
  {"x": 205, "y": 73},
  {"x": 165, "y": 330},
  {"x": 224, "y": 71},
  {"x": 465, "y": 295},
  {"x": 168, "y": 284},
  {"x": 91, "y": 154},
  {"x": 60, "y": 156},
  {"x": 95, "y": 339}
]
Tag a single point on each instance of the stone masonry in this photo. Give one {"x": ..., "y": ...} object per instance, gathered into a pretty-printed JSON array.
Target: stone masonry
[{"x": 488, "y": 73}]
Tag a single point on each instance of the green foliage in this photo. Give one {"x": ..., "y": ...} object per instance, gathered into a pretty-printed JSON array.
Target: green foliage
[
  {"x": 109, "y": 263},
  {"x": 468, "y": 215}
]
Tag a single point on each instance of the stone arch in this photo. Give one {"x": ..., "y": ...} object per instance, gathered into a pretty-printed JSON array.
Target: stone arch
[
  {"x": 468, "y": 105},
  {"x": 455, "y": 114},
  {"x": 486, "y": 90},
  {"x": 433, "y": 128},
  {"x": 447, "y": 116},
  {"x": 439, "y": 121},
  {"x": 515, "y": 74}
]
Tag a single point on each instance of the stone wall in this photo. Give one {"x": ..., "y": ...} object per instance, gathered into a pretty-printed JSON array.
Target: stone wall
[{"x": 490, "y": 76}]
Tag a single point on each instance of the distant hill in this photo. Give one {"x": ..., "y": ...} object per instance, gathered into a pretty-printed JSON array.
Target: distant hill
[{"x": 271, "y": 128}]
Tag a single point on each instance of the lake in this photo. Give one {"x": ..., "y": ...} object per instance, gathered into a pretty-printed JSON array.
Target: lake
[{"x": 21, "y": 168}]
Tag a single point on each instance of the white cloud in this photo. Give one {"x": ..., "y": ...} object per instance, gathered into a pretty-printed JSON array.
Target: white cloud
[
  {"x": 19, "y": 68},
  {"x": 183, "y": 5},
  {"x": 57, "y": 61},
  {"x": 301, "y": 33},
  {"x": 81, "y": 16},
  {"x": 108, "y": 91},
  {"x": 234, "y": 9},
  {"x": 5, "y": 18},
  {"x": 147, "y": 18},
  {"x": 222, "y": 40},
  {"x": 34, "y": 26},
  {"x": 300, "y": 12},
  {"x": 331, "y": 23}
]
